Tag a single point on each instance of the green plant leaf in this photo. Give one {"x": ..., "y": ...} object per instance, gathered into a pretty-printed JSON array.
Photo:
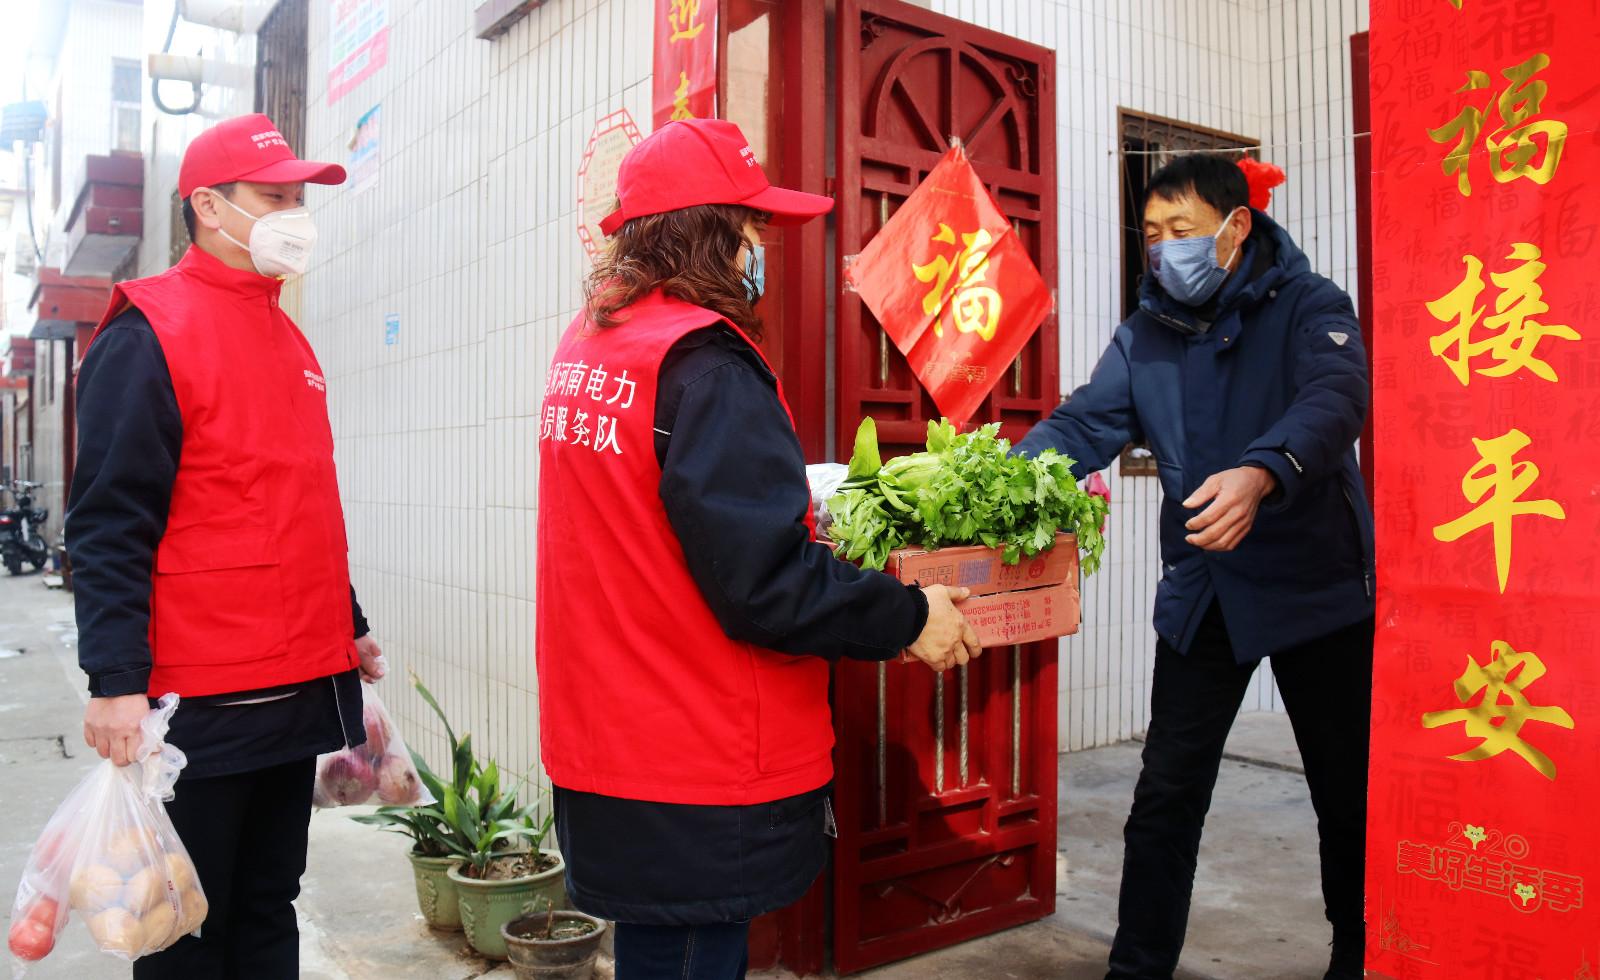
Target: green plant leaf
[
  {"x": 438, "y": 843},
  {"x": 466, "y": 766},
  {"x": 430, "y": 782},
  {"x": 471, "y": 814},
  {"x": 489, "y": 782},
  {"x": 544, "y": 828},
  {"x": 389, "y": 821},
  {"x": 428, "y": 698},
  {"x": 451, "y": 805},
  {"x": 508, "y": 833}
]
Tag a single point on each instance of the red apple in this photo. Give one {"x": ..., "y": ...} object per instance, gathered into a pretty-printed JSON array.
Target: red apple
[
  {"x": 48, "y": 849},
  {"x": 378, "y": 732},
  {"x": 46, "y": 910},
  {"x": 31, "y": 939}
]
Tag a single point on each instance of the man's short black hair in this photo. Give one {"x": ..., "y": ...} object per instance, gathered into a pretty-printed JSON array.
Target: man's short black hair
[
  {"x": 226, "y": 190},
  {"x": 1213, "y": 177}
]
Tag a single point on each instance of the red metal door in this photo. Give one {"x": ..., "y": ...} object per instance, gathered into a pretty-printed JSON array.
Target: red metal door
[{"x": 946, "y": 784}]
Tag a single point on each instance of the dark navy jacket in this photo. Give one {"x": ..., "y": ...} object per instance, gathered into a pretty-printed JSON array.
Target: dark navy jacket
[{"x": 1271, "y": 374}]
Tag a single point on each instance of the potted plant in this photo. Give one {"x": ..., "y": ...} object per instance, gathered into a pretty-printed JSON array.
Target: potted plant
[
  {"x": 438, "y": 843},
  {"x": 553, "y": 944},
  {"x": 506, "y": 869}
]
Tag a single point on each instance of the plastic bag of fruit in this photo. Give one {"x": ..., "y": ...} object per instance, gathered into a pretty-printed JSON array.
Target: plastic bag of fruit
[
  {"x": 377, "y": 771},
  {"x": 110, "y": 856}
]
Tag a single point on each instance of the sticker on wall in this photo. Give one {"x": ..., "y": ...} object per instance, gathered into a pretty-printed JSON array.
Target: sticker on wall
[
  {"x": 365, "y": 152},
  {"x": 391, "y": 329},
  {"x": 358, "y": 43},
  {"x": 611, "y": 140}
]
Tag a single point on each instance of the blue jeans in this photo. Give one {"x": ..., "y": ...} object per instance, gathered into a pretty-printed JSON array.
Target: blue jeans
[{"x": 715, "y": 952}]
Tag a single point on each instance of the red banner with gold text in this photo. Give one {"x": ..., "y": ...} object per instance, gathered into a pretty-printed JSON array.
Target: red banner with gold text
[
  {"x": 952, "y": 286},
  {"x": 1483, "y": 856},
  {"x": 685, "y": 60}
]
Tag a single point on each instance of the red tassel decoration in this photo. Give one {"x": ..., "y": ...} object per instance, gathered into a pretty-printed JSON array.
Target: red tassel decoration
[{"x": 1262, "y": 178}]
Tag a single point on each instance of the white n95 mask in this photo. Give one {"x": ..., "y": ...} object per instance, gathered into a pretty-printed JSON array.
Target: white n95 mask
[{"x": 280, "y": 242}]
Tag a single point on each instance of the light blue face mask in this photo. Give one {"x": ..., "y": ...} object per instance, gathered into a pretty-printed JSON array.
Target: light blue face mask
[
  {"x": 755, "y": 271},
  {"x": 1187, "y": 267}
]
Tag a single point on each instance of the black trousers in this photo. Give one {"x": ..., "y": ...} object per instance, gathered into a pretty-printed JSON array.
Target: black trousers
[
  {"x": 247, "y": 836},
  {"x": 714, "y": 952},
  {"x": 1327, "y": 689}
]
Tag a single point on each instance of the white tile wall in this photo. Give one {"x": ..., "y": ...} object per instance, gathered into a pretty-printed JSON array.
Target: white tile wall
[
  {"x": 1276, "y": 70},
  {"x": 474, "y": 211}
]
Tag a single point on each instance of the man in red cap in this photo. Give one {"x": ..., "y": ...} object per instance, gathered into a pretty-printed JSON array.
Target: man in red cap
[{"x": 208, "y": 545}]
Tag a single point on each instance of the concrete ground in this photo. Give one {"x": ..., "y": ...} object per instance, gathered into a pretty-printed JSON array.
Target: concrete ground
[{"x": 1257, "y": 910}]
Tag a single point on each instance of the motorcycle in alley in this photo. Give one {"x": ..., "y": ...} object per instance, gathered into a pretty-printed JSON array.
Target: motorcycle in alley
[{"x": 21, "y": 540}]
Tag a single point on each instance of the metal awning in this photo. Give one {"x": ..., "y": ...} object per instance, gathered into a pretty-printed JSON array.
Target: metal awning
[{"x": 54, "y": 330}]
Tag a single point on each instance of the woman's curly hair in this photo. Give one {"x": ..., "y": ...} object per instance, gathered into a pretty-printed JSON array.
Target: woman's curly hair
[{"x": 689, "y": 254}]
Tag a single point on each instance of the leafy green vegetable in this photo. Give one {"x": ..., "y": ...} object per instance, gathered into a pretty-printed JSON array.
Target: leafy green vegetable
[
  {"x": 965, "y": 489},
  {"x": 865, "y": 462}
]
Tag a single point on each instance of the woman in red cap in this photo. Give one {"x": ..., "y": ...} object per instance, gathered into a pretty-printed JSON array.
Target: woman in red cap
[
  {"x": 208, "y": 546},
  {"x": 686, "y": 613}
]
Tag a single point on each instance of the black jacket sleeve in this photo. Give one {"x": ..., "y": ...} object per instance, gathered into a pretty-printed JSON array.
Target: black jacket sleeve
[
  {"x": 130, "y": 433},
  {"x": 734, "y": 486},
  {"x": 1330, "y": 404},
  {"x": 362, "y": 627},
  {"x": 1094, "y": 424}
]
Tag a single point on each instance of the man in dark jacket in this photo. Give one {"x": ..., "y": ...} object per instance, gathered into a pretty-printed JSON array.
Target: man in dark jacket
[{"x": 1244, "y": 372}]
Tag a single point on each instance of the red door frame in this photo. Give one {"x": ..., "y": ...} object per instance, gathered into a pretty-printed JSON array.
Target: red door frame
[
  {"x": 805, "y": 110},
  {"x": 796, "y": 126},
  {"x": 1361, "y": 121}
]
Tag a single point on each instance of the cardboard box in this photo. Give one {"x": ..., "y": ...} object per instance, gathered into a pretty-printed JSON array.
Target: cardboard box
[
  {"x": 1024, "y": 616},
  {"x": 1035, "y": 599},
  {"x": 983, "y": 571}
]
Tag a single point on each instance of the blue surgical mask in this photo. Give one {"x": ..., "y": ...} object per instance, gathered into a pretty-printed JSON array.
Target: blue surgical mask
[
  {"x": 755, "y": 271},
  {"x": 1187, "y": 267}
]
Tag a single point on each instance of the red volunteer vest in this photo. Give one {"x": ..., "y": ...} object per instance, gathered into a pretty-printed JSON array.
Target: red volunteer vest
[
  {"x": 251, "y": 587},
  {"x": 641, "y": 693}
]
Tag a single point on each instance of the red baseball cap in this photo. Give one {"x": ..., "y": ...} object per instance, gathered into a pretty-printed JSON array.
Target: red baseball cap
[
  {"x": 690, "y": 162},
  {"x": 248, "y": 148}
]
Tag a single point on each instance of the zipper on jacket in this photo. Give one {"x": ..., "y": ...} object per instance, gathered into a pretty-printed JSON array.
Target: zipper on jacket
[
  {"x": 1366, "y": 568},
  {"x": 1187, "y": 329}
]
